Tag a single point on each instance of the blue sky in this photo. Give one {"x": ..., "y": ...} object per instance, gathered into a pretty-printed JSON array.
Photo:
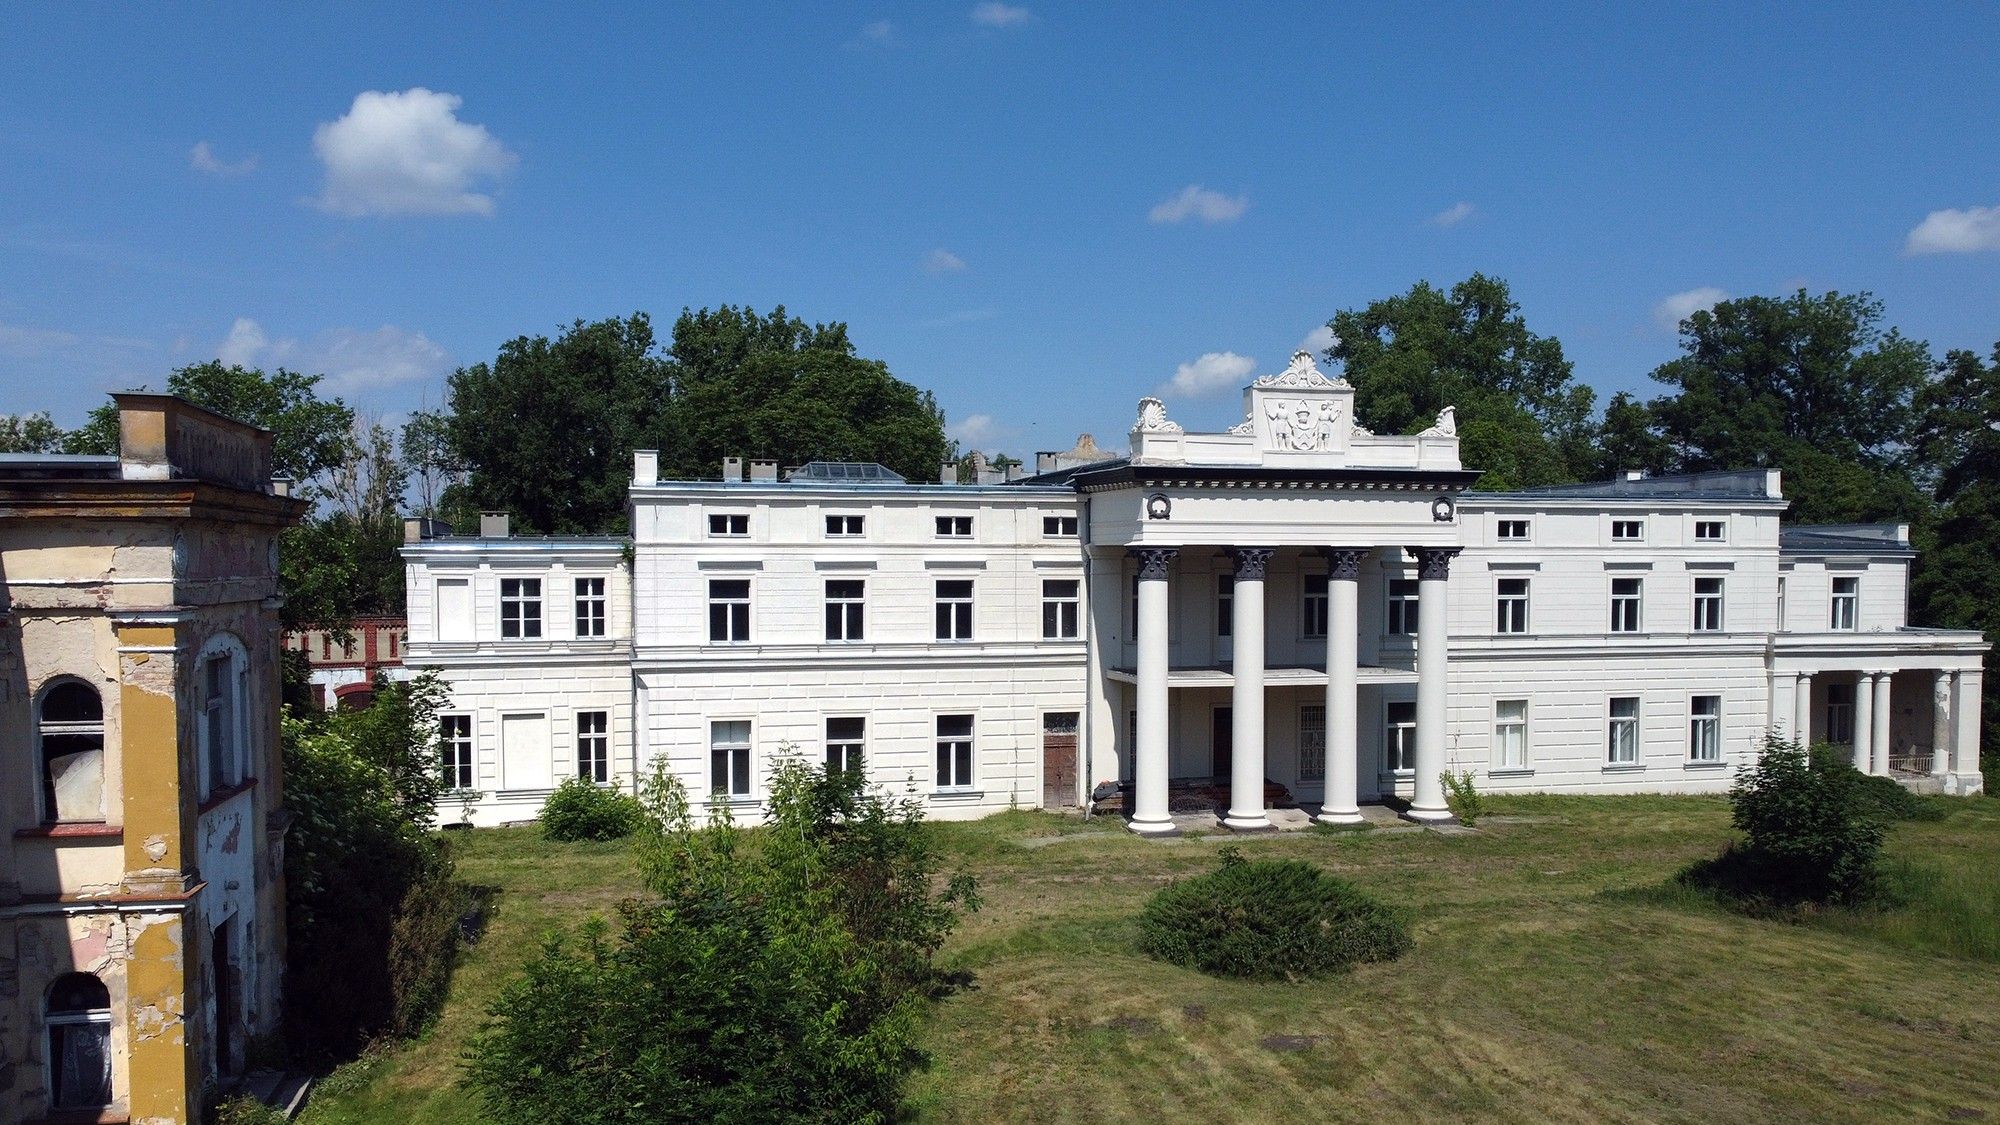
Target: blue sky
[{"x": 1039, "y": 212}]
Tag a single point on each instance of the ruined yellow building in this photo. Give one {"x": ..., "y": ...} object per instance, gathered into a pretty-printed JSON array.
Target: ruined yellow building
[{"x": 141, "y": 823}]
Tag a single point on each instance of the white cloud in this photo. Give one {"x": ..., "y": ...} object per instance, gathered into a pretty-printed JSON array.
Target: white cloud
[
  {"x": 995, "y": 14},
  {"x": 943, "y": 261},
  {"x": 351, "y": 359},
  {"x": 1453, "y": 215},
  {"x": 1670, "y": 312},
  {"x": 1318, "y": 340},
  {"x": 202, "y": 158},
  {"x": 1197, "y": 202},
  {"x": 1956, "y": 232},
  {"x": 1212, "y": 373},
  {"x": 976, "y": 430},
  {"x": 407, "y": 153}
]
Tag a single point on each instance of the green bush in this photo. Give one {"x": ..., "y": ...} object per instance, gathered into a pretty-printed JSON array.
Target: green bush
[
  {"x": 781, "y": 975},
  {"x": 1811, "y": 831},
  {"x": 1461, "y": 794},
  {"x": 579, "y": 810},
  {"x": 1884, "y": 798},
  {"x": 1273, "y": 919}
]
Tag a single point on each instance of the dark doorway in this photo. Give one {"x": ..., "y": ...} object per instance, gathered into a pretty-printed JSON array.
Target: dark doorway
[
  {"x": 1059, "y": 759},
  {"x": 1222, "y": 740},
  {"x": 225, "y": 1001}
]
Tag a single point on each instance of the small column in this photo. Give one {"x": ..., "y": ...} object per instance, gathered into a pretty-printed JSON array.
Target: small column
[
  {"x": 1341, "y": 804},
  {"x": 1864, "y": 720},
  {"x": 1246, "y": 762},
  {"x": 1802, "y": 710},
  {"x": 1879, "y": 740},
  {"x": 1965, "y": 777},
  {"x": 1150, "y": 764},
  {"x": 1433, "y": 574},
  {"x": 1941, "y": 732}
]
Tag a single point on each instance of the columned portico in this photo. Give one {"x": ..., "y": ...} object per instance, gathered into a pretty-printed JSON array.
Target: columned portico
[
  {"x": 1150, "y": 760},
  {"x": 1433, "y": 573},
  {"x": 1879, "y": 741},
  {"x": 1941, "y": 732},
  {"x": 1864, "y": 720},
  {"x": 1341, "y": 804},
  {"x": 1246, "y": 771}
]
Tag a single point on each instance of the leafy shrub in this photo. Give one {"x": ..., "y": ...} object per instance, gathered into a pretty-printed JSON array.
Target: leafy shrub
[
  {"x": 1810, "y": 832},
  {"x": 1467, "y": 804},
  {"x": 780, "y": 975},
  {"x": 248, "y": 1111},
  {"x": 579, "y": 810},
  {"x": 1273, "y": 918},
  {"x": 1884, "y": 798}
]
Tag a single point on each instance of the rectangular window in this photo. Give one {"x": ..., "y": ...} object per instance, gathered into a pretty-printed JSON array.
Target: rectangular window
[
  {"x": 954, "y": 751},
  {"x": 1510, "y": 734},
  {"x": 1629, "y": 530},
  {"x": 1708, "y": 605},
  {"x": 1708, "y": 530},
  {"x": 1625, "y": 604},
  {"x": 954, "y": 610},
  {"x": 1060, "y": 606},
  {"x": 1514, "y": 529},
  {"x": 590, "y": 607},
  {"x": 521, "y": 607},
  {"x": 1225, "y": 604},
  {"x": 954, "y": 527},
  {"x": 1840, "y": 714},
  {"x": 1058, "y": 527},
  {"x": 729, "y": 758},
  {"x": 1403, "y": 606},
  {"x": 1511, "y": 606},
  {"x": 845, "y": 602},
  {"x": 845, "y": 739},
  {"x": 1783, "y": 627},
  {"x": 843, "y": 527},
  {"x": 1705, "y": 729},
  {"x": 1622, "y": 732},
  {"x": 1312, "y": 614},
  {"x": 1846, "y": 601},
  {"x": 1399, "y": 730},
  {"x": 593, "y": 746},
  {"x": 728, "y": 525},
  {"x": 455, "y": 750},
  {"x": 728, "y": 610},
  {"x": 1312, "y": 742}
]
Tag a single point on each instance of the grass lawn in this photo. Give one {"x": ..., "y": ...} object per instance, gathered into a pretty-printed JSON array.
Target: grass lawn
[{"x": 1555, "y": 978}]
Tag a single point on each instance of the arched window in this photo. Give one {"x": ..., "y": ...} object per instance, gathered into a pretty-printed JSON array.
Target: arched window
[
  {"x": 79, "y": 1022},
  {"x": 70, "y": 725},
  {"x": 224, "y": 685}
]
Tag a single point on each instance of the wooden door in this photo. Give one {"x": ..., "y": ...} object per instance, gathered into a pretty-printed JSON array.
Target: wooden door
[{"x": 1059, "y": 759}]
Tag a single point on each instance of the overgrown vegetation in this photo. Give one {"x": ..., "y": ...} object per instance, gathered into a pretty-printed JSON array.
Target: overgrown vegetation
[
  {"x": 1274, "y": 919},
  {"x": 373, "y": 907},
  {"x": 779, "y": 974},
  {"x": 1811, "y": 829},
  {"x": 580, "y": 810},
  {"x": 1461, "y": 793}
]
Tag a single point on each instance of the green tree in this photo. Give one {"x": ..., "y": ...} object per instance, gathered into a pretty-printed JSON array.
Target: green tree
[
  {"x": 777, "y": 387},
  {"x": 546, "y": 431},
  {"x": 1522, "y": 417},
  {"x": 29, "y": 433},
  {"x": 1810, "y": 385},
  {"x": 1629, "y": 438},
  {"x": 429, "y": 461}
]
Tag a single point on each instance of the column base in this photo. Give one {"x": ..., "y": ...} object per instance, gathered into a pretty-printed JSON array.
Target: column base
[
  {"x": 1258, "y": 823},
  {"x": 1341, "y": 818},
  {"x": 1429, "y": 816},
  {"x": 1965, "y": 784},
  {"x": 1159, "y": 828}
]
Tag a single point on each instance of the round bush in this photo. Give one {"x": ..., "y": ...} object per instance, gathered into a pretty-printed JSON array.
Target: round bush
[
  {"x": 579, "y": 810},
  {"x": 1273, "y": 918}
]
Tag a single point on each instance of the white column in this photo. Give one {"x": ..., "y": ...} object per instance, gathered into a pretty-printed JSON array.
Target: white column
[
  {"x": 1801, "y": 732},
  {"x": 1433, "y": 573},
  {"x": 1246, "y": 761},
  {"x": 1941, "y": 732},
  {"x": 1149, "y": 767},
  {"x": 1341, "y": 805},
  {"x": 1965, "y": 747},
  {"x": 1864, "y": 719},
  {"x": 1879, "y": 741}
]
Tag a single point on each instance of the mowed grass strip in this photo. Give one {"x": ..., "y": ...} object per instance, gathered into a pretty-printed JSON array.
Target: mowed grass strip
[{"x": 1558, "y": 976}]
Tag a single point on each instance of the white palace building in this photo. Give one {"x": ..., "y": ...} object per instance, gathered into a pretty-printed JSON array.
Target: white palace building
[{"x": 1294, "y": 611}]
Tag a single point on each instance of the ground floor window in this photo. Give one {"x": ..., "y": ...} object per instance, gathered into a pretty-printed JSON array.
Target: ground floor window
[
  {"x": 729, "y": 758},
  {"x": 1399, "y": 722},
  {"x": 1840, "y": 714},
  {"x": 844, "y": 741},
  {"x": 79, "y": 1023},
  {"x": 1622, "y": 732},
  {"x": 1510, "y": 733},
  {"x": 593, "y": 746},
  {"x": 1312, "y": 743},
  {"x": 455, "y": 750},
  {"x": 954, "y": 751},
  {"x": 1705, "y": 729}
]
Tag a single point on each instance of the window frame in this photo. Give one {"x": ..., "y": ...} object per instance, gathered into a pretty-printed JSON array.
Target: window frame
[
  {"x": 952, "y": 527},
  {"x": 1399, "y": 737},
  {"x": 1712, "y": 621},
  {"x": 597, "y": 741},
  {"x": 1504, "y": 530},
  {"x": 1405, "y": 598},
  {"x": 1062, "y": 613},
  {"x": 1638, "y": 527},
  {"x": 852, "y": 749},
  {"x": 962, "y": 750},
  {"x": 526, "y": 597},
  {"x": 838, "y": 525},
  {"x": 736, "y": 619},
  {"x": 728, "y": 525},
  {"x": 1312, "y": 758},
  {"x": 1720, "y": 530},
  {"x": 44, "y": 729},
  {"x": 741, "y": 765},
  {"x": 1632, "y": 605},
  {"x": 846, "y": 611},
  {"x": 1616, "y": 725},
  {"x": 1839, "y": 713},
  {"x": 1704, "y": 730},
  {"x": 1314, "y": 606},
  {"x": 449, "y": 745},
  {"x": 56, "y": 1025},
  {"x": 1848, "y": 600},
  {"x": 1505, "y": 726},
  {"x": 592, "y": 607},
  {"x": 1059, "y": 521},
  {"x": 1225, "y": 606},
  {"x": 954, "y": 615},
  {"x": 1510, "y": 608}
]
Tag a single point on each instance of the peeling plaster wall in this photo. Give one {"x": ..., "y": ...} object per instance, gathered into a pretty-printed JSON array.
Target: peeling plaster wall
[{"x": 34, "y": 951}]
